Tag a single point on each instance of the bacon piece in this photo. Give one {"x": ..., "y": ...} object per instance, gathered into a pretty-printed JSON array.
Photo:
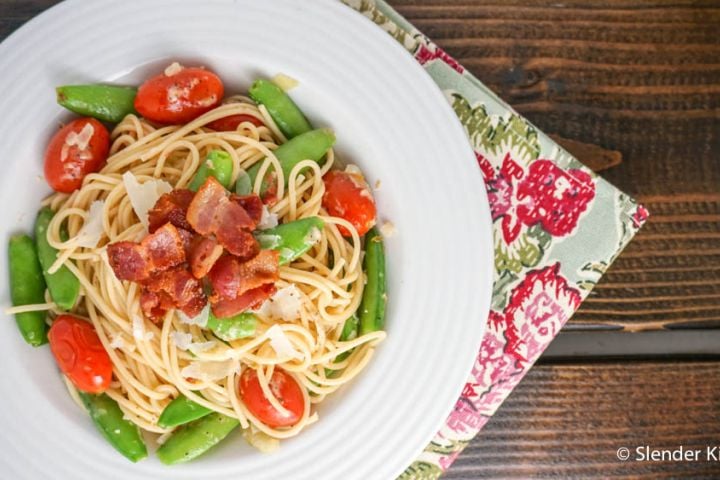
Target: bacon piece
[
  {"x": 212, "y": 212},
  {"x": 203, "y": 254},
  {"x": 252, "y": 204},
  {"x": 173, "y": 288},
  {"x": 129, "y": 261},
  {"x": 171, "y": 207},
  {"x": 247, "y": 301},
  {"x": 158, "y": 251},
  {"x": 239, "y": 286},
  {"x": 230, "y": 277}
]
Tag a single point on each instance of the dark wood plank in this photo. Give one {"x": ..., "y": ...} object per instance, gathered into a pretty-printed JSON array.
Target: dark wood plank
[
  {"x": 568, "y": 421},
  {"x": 642, "y": 78}
]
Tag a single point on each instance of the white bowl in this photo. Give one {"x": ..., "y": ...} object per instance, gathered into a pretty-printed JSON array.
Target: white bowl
[{"x": 390, "y": 118}]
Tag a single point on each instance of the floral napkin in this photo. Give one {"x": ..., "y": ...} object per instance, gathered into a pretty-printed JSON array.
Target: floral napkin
[{"x": 556, "y": 225}]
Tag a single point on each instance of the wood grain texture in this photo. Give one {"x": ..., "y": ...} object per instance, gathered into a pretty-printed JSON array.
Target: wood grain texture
[
  {"x": 567, "y": 421},
  {"x": 639, "y": 77}
]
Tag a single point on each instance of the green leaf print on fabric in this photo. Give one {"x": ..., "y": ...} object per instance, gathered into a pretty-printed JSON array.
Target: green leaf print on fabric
[
  {"x": 525, "y": 251},
  {"x": 421, "y": 471},
  {"x": 494, "y": 135}
]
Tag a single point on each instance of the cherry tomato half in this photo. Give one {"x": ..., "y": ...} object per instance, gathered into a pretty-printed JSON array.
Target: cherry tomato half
[
  {"x": 79, "y": 148},
  {"x": 80, "y": 354},
  {"x": 348, "y": 196},
  {"x": 180, "y": 97},
  {"x": 230, "y": 124},
  {"x": 285, "y": 389}
]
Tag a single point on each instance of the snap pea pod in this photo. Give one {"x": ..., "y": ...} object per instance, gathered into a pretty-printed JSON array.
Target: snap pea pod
[
  {"x": 243, "y": 184},
  {"x": 180, "y": 411},
  {"x": 291, "y": 239},
  {"x": 349, "y": 332},
  {"x": 286, "y": 114},
  {"x": 239, "y": 326},
  {"x": 196, "y": 438},
  {"x": 122, "y": 434},
  {"x": 63, "y": 286},
  {"x": 109, "y": 103},
  {"x": 372, "y": 307},
  {"x": 312, "y": 145},
  {"x": 219, "y": 165},
  {"x": 27, "y": 287}
]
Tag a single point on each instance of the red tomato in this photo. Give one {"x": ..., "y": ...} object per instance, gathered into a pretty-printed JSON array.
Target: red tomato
[
  {"x": 80, "y": 354},
  {"x": 79, "y": 148},
  {"x": 348, "y": 196},
  {"x": 230, "y": 124},
  {"x": 180, "y": 97},
  {"x": 285, "y": 389}
]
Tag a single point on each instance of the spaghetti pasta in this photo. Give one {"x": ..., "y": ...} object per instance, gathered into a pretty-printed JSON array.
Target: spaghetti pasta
[{"x": 150, "y": 368}]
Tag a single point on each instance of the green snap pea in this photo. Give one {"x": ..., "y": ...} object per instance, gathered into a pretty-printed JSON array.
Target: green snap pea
[
  {"x": 286, "y": 114},
  {"x": 27, "y": 287},
  {"x": 219, "y": 165},
  {"x": 349, "y": 332},
  {"x": 109, "y": 103},
  {"x": 372, "y": 307},
  {"x": 63, "y": 286},
  {"x": 239, "y": 326},
  {"x": 312, "y": 145},
  {"x": 180, "y": 411},
  {"x": 291, "y": 239},
  {"x": 192, "y": 440},
  {"x": 122, "y": 434}
]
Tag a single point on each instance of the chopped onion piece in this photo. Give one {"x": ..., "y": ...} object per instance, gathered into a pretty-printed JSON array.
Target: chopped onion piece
[
  {"x": 281, "y": 343},
  {"x": 143, "y": 197},
  {"x": 91, "y": 231},
  {"x": 173, "y": 69},
  {"x": 388, "y": 229}
]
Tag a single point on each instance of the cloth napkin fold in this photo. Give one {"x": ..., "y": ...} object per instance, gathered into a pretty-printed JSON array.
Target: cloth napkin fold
[{"x": 557, "y": 227}]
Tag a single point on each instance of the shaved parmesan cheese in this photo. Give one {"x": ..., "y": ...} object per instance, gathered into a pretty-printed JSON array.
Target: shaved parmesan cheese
[
  {"x": 281, "y": 343},
  {"x": 353, "y": 169},
  {"x": 262, "y": 441},
  {"x": 200, "y": 320},
  {"x": 117, "y": 342},
  {"x": 210, "y": 371},
  {"x": 285, "y": 82},
  {"x": 143, "y": 197},
  {"x": 139, "y": 333},
  {"x": 313, "y": 236},
  {"x": 173, "y": 69},
  {"x": 388, "y": 229},
  {"x": 80, "y": 140},
  {"x": 285, "y": 305},
  {"x": 267, "y": 219},
  {"x": 199, "y": 347},
  {"x": 181, "y": 340},
  {"x": 91, "y": 231}
]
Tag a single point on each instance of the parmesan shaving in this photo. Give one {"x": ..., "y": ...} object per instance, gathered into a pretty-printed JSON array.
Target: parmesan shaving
[
  {"x": 313, "y": 236},
  {"x": 181, "y": 340},
  {"x": 388, "y": 229},
  {"x": 139, "y": 333},
  {"x": 199, "y": 347},
  {"x": 173, "y": 69},
  {"x": 91, "y": 231},
  {"x": 143, "y": 197},
  {"x": 117, "y": 342},
  {"x": 210, "y": 371},
  {"x": 200, "y": 320},
  {"x": 285, "y": 82},
  {"x": 267, "y": 219},
  {"x": 281, "y": 343},
  {"x": 80, "y": 140},
  {"x": 285, "y": 305}
]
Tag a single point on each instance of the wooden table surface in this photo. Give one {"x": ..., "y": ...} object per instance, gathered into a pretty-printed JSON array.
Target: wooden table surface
[{"x": 641, "y": 78}]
